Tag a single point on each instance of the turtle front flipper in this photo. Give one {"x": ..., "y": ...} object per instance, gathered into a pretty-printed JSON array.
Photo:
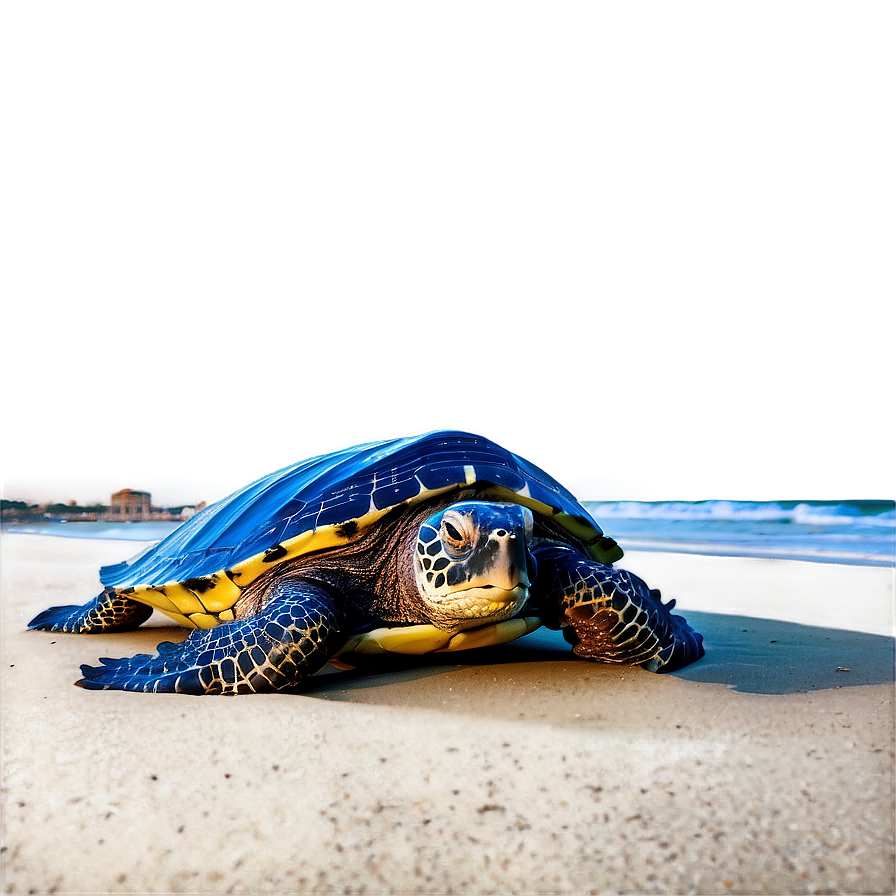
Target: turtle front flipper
[
  {"x": 277, "y": 649},
  {"x": 109, "y": 611},
  {"x": 610, "y": 615}
]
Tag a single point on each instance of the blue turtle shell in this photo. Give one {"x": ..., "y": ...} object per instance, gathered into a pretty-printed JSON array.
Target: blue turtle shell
[{"x": 329, "y": 499}]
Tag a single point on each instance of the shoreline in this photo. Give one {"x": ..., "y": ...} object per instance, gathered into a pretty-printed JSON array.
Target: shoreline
[
  {"x": 112, "y": 531},
  {"x": 759, "y": 769},
  {"x": 710, "y": 550}
]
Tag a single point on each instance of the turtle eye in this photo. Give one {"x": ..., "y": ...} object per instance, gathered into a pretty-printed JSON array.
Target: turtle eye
[
  {"x": 452, "y": 532},
  {"x": 456, "y": 536}
]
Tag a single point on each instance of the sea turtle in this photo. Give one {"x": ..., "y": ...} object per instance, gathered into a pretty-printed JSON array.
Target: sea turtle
[{"x": 435, "y": 543}]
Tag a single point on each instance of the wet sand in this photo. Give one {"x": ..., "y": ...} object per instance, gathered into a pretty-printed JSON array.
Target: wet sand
[{"x": 768, "y": 767}]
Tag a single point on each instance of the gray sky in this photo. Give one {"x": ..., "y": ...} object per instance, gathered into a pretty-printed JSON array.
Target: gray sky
[{"x": 647, "y": 246}]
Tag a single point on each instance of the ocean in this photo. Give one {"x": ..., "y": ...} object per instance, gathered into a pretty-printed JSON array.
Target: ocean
[{"x": 851, "y": 532}]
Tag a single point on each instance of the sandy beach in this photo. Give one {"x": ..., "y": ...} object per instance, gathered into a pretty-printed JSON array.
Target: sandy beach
[{"x": 768, "y": 767}]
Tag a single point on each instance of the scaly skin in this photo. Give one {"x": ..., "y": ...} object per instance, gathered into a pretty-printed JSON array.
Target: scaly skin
[
  {"x": 610, "y": 615},
  {"x": 276, "y": 650}
]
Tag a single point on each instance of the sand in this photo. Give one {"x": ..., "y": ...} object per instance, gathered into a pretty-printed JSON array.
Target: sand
[{"x": 765, "y": 768}]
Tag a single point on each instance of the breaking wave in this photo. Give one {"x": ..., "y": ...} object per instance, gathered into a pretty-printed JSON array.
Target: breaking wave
[
  {"x": 860, "y": 532},
  {"x": 875, "y": 514}
]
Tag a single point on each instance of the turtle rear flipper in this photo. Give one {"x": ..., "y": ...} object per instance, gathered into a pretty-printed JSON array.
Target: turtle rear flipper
[
  {"x": 277, "y": 649},
  {"x": 109, "y": 611},
  {"x": 610, "y": 615}
]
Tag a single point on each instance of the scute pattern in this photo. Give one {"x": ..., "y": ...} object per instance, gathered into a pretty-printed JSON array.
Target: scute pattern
[{"x": 321, "y": 503}]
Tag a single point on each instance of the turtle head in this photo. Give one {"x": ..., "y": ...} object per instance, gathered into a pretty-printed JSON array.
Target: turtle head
[{"x": 472, "y": 563}]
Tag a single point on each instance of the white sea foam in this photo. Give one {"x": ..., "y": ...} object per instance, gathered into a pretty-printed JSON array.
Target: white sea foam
[
  {"x": 840, "y": 514},
  {"x": 846, "y": 513},
  {"x": 136, "y": 531},
  {"x": 862, "y": 532},
  {"x": 683, "y": 510},
  {"x": 767, "y": 551}
]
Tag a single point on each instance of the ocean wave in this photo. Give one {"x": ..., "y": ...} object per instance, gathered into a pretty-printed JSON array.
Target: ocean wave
[
  {"x": 848, "y": 514},
  {"x": 766, "y": 550},
  {"x": 136, "y": 531},
  {"x": 841, "y": 514}
]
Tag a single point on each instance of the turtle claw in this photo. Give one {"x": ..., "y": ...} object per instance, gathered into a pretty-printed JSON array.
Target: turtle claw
[
  {"x": 685, "y": 648},
  {"x": 107, "y": 612},
  {"x": 57, "y": 619},
  {"x": 91, "y": 674},
  {"x": 658, "y": 597},
  {"x": 113, "y": 662},
  {"x": 167, "y": 648},
  {"x": 128, "y": 675}
]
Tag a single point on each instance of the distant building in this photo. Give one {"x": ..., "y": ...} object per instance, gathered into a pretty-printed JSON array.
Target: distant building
[
  {"x": 189, "y": 512},
  {"x": 130, "y": 505}
]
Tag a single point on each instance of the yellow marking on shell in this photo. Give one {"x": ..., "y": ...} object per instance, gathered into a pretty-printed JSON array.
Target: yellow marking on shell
[
  {"x": 226, "y": 616},
  {"x": 180, "y": 619},
  {"x": 221, "y": 596},
  {"x": 154, "y": 598},
  {"x": 204, "y": 620},
  {"x": 469, "y": 474},
  {"x": 184, "y": 600},
  {"x": 217, "y": 598},
  {"x": 177, "y": 602}
]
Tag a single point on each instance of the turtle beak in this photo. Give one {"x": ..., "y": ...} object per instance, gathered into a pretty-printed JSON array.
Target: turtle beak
[{"x": 511, "y": 547}]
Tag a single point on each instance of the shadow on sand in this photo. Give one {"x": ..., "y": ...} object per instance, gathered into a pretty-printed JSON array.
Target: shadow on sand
[
  {"x": 767, "y": 656},
  {"x": 750, "y": 655}
]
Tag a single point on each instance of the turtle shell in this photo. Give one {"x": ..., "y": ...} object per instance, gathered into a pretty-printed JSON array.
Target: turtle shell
[{"x": 197, "y": 573}]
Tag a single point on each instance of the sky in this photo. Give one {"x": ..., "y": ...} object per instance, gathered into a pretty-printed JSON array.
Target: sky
[{"x": 647, "y": 246}]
